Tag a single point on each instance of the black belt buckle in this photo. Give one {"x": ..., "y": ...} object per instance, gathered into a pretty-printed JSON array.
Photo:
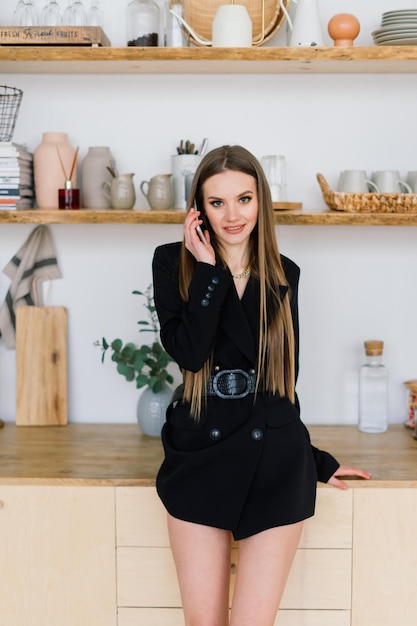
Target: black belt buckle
[{"x": 233, "y": 384}]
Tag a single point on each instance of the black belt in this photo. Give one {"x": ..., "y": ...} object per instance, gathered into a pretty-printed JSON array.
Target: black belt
[{"x": 232, "y": 384}]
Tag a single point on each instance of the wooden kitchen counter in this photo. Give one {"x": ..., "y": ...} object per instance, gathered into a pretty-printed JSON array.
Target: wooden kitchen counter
[{"x": 118, "y": 454}]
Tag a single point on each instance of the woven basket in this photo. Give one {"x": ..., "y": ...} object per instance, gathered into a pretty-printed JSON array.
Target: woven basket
[
  {"x": 199, "y": 14},
  {"x": 367, "y": 202}
]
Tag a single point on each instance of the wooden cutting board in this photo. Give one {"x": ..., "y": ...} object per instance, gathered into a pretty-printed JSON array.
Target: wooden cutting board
[{"x": 41, "y": 366}]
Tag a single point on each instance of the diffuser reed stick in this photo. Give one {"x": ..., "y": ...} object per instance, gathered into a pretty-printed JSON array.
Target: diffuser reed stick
[{"x": 74, "y": 162}]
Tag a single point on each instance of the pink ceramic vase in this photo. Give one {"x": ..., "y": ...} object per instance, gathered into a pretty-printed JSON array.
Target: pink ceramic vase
[{"x": 48, "y": 171}]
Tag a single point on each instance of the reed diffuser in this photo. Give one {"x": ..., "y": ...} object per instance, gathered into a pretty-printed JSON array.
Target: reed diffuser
[{"x": 69, "y": 197}]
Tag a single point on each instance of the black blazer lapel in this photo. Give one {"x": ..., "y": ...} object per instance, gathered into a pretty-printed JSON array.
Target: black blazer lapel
[{"x": 235, "y": 323}]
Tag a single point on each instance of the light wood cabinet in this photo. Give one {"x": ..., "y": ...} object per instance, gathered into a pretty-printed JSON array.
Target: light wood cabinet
[
  {"x": 57, "y": 562},
  {"x": 385, "y": 557},
  {"x": 76, "y": 501}
]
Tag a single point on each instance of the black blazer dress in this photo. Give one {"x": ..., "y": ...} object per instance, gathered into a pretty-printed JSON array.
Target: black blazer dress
[{"x": 248, "y": 464}]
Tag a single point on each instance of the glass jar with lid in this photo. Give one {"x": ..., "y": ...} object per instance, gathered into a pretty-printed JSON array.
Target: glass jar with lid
[
  {"x": 411, "y": 403},
  {"x": 142, "y": 23}
]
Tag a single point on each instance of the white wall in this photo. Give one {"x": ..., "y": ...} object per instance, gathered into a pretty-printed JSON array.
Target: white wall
[{"x": 356, "y": 282}]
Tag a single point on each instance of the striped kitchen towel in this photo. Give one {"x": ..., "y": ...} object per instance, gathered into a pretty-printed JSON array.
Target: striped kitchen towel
[{"x": 34, "y": 262}]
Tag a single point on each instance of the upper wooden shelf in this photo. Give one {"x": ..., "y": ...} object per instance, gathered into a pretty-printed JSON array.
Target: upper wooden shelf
[
  {"x": 262, "y": 60},
  {"x": 290, "y": 218}
]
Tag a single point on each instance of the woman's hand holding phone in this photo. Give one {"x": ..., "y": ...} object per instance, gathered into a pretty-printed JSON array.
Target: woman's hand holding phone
[
  {"x": 196, "y": 240},
  {"x": 199, "y": 229}
]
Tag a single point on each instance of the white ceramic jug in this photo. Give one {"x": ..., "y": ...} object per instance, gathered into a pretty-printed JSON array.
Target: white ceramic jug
[
  {"x": 305, "y": 27},
  {"x": 232, "y": 28}
]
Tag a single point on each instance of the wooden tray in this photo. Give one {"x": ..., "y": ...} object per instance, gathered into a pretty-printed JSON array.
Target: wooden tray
[
  {"x": 287, "y": 206},
  {"x": 367, "y": 202},
  {"x": 53, "y": 36}
]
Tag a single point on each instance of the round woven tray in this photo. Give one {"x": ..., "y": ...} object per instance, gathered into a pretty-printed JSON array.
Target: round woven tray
[
  {"x": 200, "y": 15},
  {"x": 367, "y": 202}
]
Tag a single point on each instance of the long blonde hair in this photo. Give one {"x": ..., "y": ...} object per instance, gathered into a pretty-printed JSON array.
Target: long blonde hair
[{"x": 276, "y": 359}]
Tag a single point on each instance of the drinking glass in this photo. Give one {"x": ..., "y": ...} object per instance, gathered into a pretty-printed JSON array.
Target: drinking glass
[
  {"x": 274, "y": 168},
  {"x": 18, "y": 12},
  {"x": 94, "y": 17},
  {"x": 29, "y": 15},
  {"x": 66, "y": 18},
  {"x": 51, "y": 14},
  {"x": 78, "y": 14}
]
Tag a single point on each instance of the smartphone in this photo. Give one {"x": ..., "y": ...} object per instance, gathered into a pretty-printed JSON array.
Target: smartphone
[{"x": 199, "y": 229}]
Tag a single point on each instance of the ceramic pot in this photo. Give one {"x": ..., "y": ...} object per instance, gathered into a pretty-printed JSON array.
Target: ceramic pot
[
  {"x": 94, "y": 173},
  {"x": 151, "y": 409},
  {"x": 47, "y": 169}
]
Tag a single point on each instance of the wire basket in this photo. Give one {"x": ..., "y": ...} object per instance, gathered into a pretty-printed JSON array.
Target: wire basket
[{"x": 10, "y": 99}]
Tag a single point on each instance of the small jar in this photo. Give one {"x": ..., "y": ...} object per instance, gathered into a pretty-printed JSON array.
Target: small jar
[
  {"x": 411, "y": 404},
  {"x": 142, "y": 23}
]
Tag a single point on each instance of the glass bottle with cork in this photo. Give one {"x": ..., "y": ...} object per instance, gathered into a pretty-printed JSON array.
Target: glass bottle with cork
[{"x": 373, "y": 390}]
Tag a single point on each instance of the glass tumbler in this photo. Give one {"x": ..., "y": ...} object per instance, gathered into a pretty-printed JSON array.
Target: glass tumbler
[{"x": 275, "y": 172}]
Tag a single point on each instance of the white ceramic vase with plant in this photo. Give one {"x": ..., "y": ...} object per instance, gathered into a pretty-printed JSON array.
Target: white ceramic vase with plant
[{"x": 147, "y": 366}]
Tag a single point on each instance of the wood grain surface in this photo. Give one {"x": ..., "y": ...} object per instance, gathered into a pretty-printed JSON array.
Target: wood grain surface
[
  {"x": 41, "y": 366},
  {"x": 119, "y": 454}
]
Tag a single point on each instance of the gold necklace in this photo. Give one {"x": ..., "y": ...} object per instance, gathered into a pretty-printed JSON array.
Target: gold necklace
[{"x": 243, "y": 274}]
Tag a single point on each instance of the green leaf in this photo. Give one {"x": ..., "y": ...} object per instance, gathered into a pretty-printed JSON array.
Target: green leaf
[
  {"x": 116, "y": 344},
  {"x": 141, "y": 381},
  {"x": 126, "y": 371}
]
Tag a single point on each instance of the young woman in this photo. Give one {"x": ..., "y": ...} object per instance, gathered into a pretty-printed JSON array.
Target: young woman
[{"x": 238, "y": 459}]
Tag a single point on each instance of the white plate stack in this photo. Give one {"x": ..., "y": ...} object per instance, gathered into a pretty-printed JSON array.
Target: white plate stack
[{"x": 398, "y": 28}]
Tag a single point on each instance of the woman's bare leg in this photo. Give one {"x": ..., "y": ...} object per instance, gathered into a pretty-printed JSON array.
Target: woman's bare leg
[
  {"x": 265, "y": 561},
  {"x": 202, "y": 560}
]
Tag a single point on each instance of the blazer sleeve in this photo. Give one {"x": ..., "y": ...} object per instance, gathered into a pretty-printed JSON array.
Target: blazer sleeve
[
  {"x": 326, "y": 464},
  {"x": 188, "y": 329}
]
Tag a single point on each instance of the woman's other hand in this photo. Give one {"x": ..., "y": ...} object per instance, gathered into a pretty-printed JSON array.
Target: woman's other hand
[{"x": 346, "y": 471}]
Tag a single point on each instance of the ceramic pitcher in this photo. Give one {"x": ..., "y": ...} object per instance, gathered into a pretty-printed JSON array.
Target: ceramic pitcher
[
  {"x": 158, "y": 192},
  {"x": 305, "y": 28},
  {"x": 121, "y": 192}
]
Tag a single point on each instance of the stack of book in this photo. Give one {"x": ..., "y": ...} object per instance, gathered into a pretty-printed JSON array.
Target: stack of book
[{"x": 16, "y": 176}]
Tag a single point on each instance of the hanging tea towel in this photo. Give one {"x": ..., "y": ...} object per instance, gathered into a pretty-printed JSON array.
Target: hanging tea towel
[{"x": 35, "y": 262}]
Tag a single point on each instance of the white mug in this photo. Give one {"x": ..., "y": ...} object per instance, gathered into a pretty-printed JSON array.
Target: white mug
[
  {"x": 356, "y": 181},
  {"x": 389, "y": 181},
  {"x": 412, "y": 180}
]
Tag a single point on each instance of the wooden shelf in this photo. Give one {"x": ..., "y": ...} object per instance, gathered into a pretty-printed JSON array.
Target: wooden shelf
[
  {"x": 290, "y": 218},
  {"x": 262, "y": 60}
]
